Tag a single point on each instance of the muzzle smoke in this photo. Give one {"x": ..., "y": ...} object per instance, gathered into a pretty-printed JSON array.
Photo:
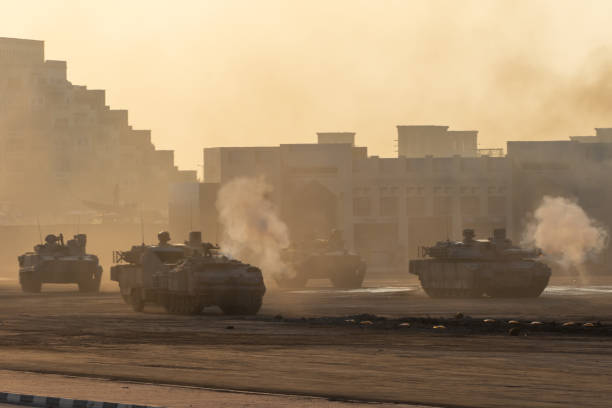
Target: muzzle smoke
[
  {"x": 565, "y": 233},
  {"x": 252, "y": 229}
]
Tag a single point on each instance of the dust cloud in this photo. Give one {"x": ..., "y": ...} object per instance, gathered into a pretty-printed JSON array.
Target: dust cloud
[
  {"x": 252, "y": 229},
  {"x": 565, "y": 233}
]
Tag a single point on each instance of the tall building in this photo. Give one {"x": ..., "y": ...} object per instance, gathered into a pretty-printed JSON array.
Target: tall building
[
  {"x": 384, "y": 206},
  {"x": 61, "y": 146}
]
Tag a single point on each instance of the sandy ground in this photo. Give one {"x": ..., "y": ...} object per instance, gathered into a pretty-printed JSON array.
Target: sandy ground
[{"x": 302, "y": 344}]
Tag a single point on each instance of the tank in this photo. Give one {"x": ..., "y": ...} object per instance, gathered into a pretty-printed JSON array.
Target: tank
[
  {"x": 186, "y": 278},
  {"x": 473, "y": 268},
  {"x": 56, "y": 262},
  {"x": 322, "y": 259}
]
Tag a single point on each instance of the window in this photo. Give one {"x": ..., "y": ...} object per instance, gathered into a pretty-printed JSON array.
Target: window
[
  {"x": 388, "y": 206},
  {"x": 470, "y": 205},
  {"x": 497, "y": 205},
  {"x": 442, "y": 206},
  {"x": 361, "y": 206},
  {"x": 415, "y": 206}
]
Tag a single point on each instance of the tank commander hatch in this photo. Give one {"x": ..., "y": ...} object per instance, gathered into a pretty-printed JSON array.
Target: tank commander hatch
[
  {"x": 164, "y": 238},
  {"x": 196, "y": 244}
]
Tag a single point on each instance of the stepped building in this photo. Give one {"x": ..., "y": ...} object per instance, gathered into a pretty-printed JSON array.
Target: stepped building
[{"x": 62, "y": 147}]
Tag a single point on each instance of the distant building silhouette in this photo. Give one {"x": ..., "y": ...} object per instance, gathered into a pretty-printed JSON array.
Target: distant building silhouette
[
  {"x": 60, "y": 144},
  {"x": 384, "y": 206}
]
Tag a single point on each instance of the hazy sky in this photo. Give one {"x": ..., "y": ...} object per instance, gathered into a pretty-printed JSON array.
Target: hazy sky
[{"x": 209, "y": 73}]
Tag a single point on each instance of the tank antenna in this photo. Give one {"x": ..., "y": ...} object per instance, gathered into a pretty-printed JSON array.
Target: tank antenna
[
  {"x": 190, "y": 216},
  {"x": 447, "y": 221},
  {"x": 39, "y": 230},
  {"x": 142, "y": 228}
]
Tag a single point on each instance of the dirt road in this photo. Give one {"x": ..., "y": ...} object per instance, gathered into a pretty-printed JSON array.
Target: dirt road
[{"x": 300, "y": 344}]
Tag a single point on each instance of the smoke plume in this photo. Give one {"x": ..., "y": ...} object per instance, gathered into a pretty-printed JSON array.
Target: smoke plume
[
  {"x": 565, "y": 233},
  {"x": 252, "y": 229}
]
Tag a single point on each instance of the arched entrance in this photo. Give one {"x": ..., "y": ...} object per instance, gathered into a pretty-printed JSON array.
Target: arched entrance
[{"x": 310, "y": 210}]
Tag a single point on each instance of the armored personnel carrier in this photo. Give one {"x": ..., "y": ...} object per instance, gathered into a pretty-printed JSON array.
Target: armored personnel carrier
[
  {"x": 56, "y": 262},
  {"x": 186, "y": 278},
  {"x": 473, "y": 268},
  {"x": 322, "y": 259}
]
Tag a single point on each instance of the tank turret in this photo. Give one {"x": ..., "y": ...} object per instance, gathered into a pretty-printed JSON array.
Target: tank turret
[
  {"x": 496, "y": 248},
  {"x": 321, "y": 259},
  {"x": 59, "y": 262},
  {"x": 474, "y": 267}
]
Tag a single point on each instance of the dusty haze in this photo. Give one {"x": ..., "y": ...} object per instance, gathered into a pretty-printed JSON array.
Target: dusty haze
[
  {"x": 251, "y": 73},
  {"x": 252, "y": 230},
  {"x": 566, "y": 233}
]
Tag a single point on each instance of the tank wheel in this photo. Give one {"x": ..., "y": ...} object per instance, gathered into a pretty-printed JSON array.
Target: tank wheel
[
  {"x": 136, "y": 300},
  {"x": 241, "y": 305},
  {"x": 31, "y": 285},
  {"x": 184, "y": 305},
  {"x": 348, "y": 280}
]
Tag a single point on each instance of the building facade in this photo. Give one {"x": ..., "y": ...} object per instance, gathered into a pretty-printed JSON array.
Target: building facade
[
  {"x": 578, "y": 169},
  {"x": 61, "y": 146},
  {"x": 385, "y": 207}
]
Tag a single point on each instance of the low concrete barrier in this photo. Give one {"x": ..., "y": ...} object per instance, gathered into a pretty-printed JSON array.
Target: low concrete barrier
[{"x": 53, "y": 402}]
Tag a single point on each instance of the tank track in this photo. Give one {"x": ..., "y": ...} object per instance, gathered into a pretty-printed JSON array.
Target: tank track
[{"x": 479, "y": 289}]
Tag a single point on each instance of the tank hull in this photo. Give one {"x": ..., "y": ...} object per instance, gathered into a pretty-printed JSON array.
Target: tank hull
[
  {"x": 236, "y": 288},
  {"x": 510, "y": 279},
  {"x": 343, "y": 270},
  {"x": 37, "y": 270}
]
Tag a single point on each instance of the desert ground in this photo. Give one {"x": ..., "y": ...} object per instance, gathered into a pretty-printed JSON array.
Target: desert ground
[{"x": 316, "y": 347}]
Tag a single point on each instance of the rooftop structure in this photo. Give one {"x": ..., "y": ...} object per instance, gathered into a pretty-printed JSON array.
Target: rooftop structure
[{"x": 437, "y": 141}]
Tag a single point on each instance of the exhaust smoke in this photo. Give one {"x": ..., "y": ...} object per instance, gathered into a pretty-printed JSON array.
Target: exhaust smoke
[
  {"x": 565, "y": 233},
  {"x": 252, "y": 230}
]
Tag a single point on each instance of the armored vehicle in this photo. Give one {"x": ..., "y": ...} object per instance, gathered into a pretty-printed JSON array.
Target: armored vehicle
[
  {"x": 473, "y": 268},
  {"x": 56, "y": 262},
  {"x": 322, "y": 259},
  {"x": 186, "y": 278}
]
